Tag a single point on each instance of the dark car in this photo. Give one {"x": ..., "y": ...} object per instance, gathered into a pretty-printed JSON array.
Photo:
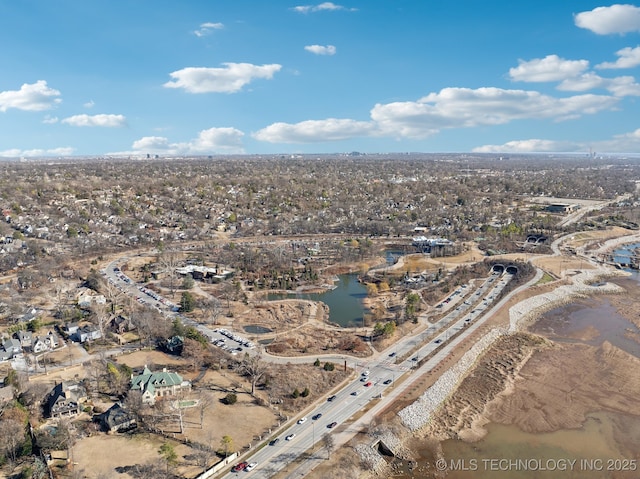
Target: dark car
[
  {"x": 331, "y": 398},
  {"x": 392, "y": 354},
  {"x": 438, "y": 341},
  {"x": 274, "y": 442},
  {"x": 332, "y": 425},
  {"x": 317, "y": 416},
  {"x": 388, "y": 381}
]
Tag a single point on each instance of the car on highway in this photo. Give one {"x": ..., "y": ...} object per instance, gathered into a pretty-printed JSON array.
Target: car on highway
[
  {"x": 438, "y": 341},
  {"x": 251, "y": 466},
  {"x": 290, "y": 437},
  {"x": 241, "y": 466},
  {"x": 392, "y": 354},
  {"x": 331, "y": 425},
  {"x": 317, "y": 416},
  {"x": 365, "y": 373},
  {"x": 368, "y": 384},
  {"x": 331, "y": 398},
  {"x": 388, "y": 381},
  {"x": 354, "y": 393},
  {"x": 302, "y": 420},
  {"x": 275, "y": 441}
]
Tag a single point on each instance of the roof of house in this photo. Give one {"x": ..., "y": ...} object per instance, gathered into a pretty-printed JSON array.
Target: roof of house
[
  {"x": 149, "y": 381},
  {"x": 66, "y": 392},
  {"x": 116, "y": 415}
]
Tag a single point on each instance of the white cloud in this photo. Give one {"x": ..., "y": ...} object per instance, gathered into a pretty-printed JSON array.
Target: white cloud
[
  {"x": 530, "y": 146},
  {"x": 229, "y": 79},
  {"x": 325, "y": 6},
  {"x": 31, "y": 97},
  {"x": 606, "y": 20},
  {"x": 16, "y": 153},
  {"x": 623, "y": 143},
  {"x": 628, "y": 58},
  {"x": 213, "y": 140},
  {"x": 547, "y": 69},
  {"x": 321, "y": 49},
  {"x": 311, "y": 131},
  {"x": 623, "y": 86},
  {"x": 50, "y": 120},
  {"x": 618, "y": 86},
  {"x": 449, "y": 108},
  {"x": 89, "y": 104},
  {"x": 584, "y": 82},
  {"x": 207, "y": 28},
  {"x": 107, "y": 121},
  {"x": 464, "y": 107}
]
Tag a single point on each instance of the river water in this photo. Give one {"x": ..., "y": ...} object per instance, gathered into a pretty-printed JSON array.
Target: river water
[{"x": 606, "y": 446}]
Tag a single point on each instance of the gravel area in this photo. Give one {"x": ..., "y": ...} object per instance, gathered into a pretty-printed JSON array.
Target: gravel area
[{"x": 419, "y": 413}]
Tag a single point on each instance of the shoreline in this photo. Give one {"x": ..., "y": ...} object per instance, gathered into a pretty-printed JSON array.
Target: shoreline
[{"x": 584, "y": 283}]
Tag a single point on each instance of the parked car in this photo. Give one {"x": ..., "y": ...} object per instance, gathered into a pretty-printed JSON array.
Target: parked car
[{"x": 367, "y": 384}]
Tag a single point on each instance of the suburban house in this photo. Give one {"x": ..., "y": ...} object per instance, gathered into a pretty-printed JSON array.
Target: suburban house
[
  {"x": 174, "y": 345},
  {"x": 70, "y": 328},
  {"x": 25, "y": 338},
  {"x": 157, "y": 385},
  {"x": 37, "y": 344},
  {"x": 9, "y": 348},
  {"x": 86, "y": 333},
  {"x": 86, "y": 297},
  {"x": 66, "y": 399},
  {"x": 117, "y": 418},
  {"x": 48, "y": 342},
  {"x": 119, "y": 324}
]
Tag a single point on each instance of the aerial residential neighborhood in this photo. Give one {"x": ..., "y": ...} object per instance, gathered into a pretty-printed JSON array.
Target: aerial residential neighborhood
[{"x": 200, "y": 350}]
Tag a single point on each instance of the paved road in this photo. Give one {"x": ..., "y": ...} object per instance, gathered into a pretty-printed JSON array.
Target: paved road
[
  {"x": 437, "y": 341},
  {"x": 376, "y": 376}
]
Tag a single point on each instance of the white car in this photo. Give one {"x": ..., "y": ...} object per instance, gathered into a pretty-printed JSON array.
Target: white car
[
  {"x": 290, "y": 436},
  {"x": 302, "y": 420},
  {"x": 250, "y": 466},
  {"x": 365, "y": 373}
]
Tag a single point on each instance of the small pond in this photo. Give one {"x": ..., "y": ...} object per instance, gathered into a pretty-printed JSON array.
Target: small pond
[{"x": 344, "y": 301}]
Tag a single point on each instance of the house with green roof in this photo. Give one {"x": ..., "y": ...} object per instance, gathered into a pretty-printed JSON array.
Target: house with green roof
[{"x": 153, "y": 385}]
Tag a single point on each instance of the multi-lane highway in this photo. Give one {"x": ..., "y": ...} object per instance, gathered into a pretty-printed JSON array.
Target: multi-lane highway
[{"x": 466, "y": 308}]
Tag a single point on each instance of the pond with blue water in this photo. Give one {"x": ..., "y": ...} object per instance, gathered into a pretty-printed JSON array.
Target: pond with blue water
[{"x": 345, "y": 301}]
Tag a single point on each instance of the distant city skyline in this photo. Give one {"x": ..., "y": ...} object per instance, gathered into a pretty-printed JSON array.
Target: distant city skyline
[{"x": 286, "y": 77}]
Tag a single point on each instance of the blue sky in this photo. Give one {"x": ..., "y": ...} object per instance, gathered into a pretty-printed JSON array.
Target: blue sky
[{"x": 176, "y": 78}]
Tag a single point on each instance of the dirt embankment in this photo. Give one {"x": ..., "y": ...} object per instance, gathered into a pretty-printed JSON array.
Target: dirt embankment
[{"x": 461, "y": 416}]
